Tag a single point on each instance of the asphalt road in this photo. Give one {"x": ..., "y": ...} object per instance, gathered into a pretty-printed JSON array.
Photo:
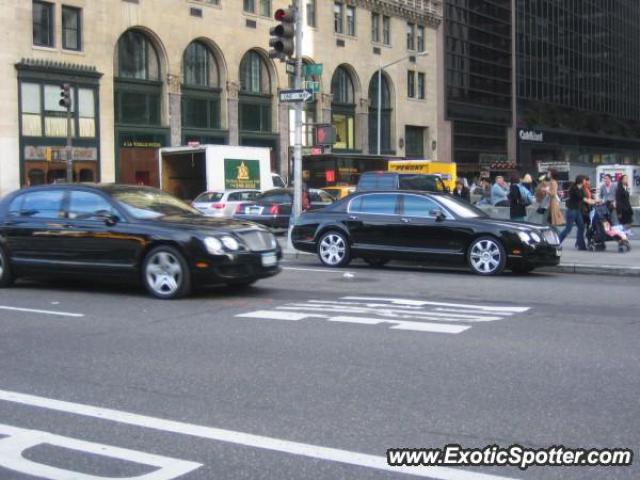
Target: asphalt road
[{"x": 316, "y": 373}]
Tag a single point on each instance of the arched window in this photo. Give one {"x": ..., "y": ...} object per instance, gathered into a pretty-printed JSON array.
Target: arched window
[
  {"x": 137, "y": 57},
  {"x": 255, "y": 94},
  {"x": 385, "y": 115},
  {"x": 200, "y": 92},
  {"x": 343, "y": 109},
  {"x": 254, "y": 74},
  {"x": 138, "y": 89},
  {"x": 200, "y": 66}
]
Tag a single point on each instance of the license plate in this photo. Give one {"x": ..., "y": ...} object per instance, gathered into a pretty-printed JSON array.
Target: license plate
[
  {"x": 558, "y": 251},
  {"x": 269, "y": 259},
  {"x": 255, "y": 210}
]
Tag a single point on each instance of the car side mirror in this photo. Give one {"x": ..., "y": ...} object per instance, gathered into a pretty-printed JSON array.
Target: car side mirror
[{"x": 438, "y": 214}]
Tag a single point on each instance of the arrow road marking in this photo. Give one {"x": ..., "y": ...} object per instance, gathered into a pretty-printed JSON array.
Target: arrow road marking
[{"x": 245, "y": 439}]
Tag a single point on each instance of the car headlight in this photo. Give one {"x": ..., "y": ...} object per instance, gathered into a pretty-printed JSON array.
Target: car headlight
[
  {"x": 536, "y": 238},
  {"x": 214, "y": 246},
  {"x": 524, "y": 236},
  {"x": 230, "y": 243}
]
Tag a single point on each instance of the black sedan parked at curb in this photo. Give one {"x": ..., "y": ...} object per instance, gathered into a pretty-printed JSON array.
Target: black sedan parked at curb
[
  {"x": 423, "y": 227},
  {"x": 128, "y": 233}
]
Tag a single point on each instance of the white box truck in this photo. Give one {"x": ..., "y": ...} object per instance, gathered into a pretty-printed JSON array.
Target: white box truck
[{"x": 188, "y": 171}]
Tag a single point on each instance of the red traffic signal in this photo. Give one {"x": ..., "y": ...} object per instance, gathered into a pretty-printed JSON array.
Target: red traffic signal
[
  {"x": 282, "y": 35},
  {"x": 325, "y": 135}
]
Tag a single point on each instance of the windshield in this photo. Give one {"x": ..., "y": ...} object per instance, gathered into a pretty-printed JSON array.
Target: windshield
[
  {"x": 460, "y": 208},
  {"x": 146, "y": 203}
]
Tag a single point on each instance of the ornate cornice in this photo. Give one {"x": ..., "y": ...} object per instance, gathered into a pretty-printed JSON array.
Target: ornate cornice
[
  {"x": 49, "y": 66},
  {"x": 424, "y": 12}
]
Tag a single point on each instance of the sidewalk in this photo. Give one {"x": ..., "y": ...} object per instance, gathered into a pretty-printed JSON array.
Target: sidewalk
[{"x": 608, "y": 262}]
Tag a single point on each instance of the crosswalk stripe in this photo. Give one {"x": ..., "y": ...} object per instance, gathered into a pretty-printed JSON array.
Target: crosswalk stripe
[{"x": 402, "y": 301}]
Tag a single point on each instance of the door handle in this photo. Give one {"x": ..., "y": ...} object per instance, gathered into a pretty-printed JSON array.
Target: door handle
[
  {"x": 353, "y": 217},
  {"x": 405, "y": 220},
  {"x": 59, "y": 225}
]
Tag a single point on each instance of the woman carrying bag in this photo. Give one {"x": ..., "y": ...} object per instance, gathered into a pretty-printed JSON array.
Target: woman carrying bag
[
  {"x": 555, "y": 214},
  {"x": 623, "y": 203}
]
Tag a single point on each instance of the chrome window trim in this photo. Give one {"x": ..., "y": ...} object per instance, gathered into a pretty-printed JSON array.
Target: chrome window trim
[{"x": 368, "y": 195}]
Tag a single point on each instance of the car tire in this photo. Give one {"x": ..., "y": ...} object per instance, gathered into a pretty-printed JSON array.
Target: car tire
[
  {"x": 165, "y": 273},
  {"x": 6, "y": 275},
  {"x": 522, "y": 269},
  {"x": 376, "y": 262},
  {"x": 486, "y": 256},
  {"x": 333, "y": 249}
]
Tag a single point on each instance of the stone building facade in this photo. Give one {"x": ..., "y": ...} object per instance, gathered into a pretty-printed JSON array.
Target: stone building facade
[{"x": 151, "y": 73}]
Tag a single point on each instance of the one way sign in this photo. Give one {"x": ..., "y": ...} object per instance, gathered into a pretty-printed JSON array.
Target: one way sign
[{"x": 295, "y": 95}]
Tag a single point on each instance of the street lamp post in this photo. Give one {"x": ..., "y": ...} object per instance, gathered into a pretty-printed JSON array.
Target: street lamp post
[{"x": 379, "y": 106}]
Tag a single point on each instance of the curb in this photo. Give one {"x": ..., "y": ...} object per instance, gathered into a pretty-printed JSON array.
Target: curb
[{"x": 576, "y": 268}]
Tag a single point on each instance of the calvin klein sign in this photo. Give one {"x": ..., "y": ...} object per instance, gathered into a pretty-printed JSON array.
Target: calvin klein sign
[{"x": 531, "y": 136}]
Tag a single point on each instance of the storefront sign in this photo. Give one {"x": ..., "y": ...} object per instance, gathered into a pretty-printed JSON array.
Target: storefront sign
[
  {"x": 138, "y": 144},
  {"x": 241, "y": 174},
  {"x": 58, "y": 153},
  {"x": 531, "y": 136},
  {"x": 544, "y": 167}
]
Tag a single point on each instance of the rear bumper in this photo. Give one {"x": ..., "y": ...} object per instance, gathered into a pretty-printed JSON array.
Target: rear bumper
[
  {"x": 271, "y": 221},
  {"x": 235, "y": 268}
]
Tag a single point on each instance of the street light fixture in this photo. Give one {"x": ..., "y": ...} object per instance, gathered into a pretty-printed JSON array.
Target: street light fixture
[{"x": 380, "y": 69}]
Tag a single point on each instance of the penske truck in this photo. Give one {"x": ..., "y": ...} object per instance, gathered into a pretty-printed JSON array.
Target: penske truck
[{"x": 446, "y": 170}]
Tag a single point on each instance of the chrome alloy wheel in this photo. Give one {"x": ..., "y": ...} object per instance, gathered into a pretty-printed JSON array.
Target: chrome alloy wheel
[
  {"x": 332, "y": 249},
  {"x": 164, "y": 273},
  {"x": 485, "y": 256}
]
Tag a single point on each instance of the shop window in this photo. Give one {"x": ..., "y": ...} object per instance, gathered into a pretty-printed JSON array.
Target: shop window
[
  {"x": 31, "y": 109},
  {"x": 36, "y": 177},
  {"x": 86, "y": 175},
  {"x": 414, "y": 142}
]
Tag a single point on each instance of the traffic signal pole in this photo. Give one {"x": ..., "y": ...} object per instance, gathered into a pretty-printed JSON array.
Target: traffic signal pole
[
  {"x": 297, "y": 146},
  {"x": 68, "y": 148}
]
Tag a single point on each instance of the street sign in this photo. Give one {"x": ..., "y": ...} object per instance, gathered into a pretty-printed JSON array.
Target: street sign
[
  {"x": 312, "y": 69},
  {"x": 313, "y": 86},
  {"x": 291, "y": 68},
  {"x": 293, "y": 96}
]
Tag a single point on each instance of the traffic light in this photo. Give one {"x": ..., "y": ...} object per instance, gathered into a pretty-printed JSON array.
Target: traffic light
[
  {"x": 324, "y": 134},
  {"x": 282, "y": 35},
  {"x": 65, "y": 95}
]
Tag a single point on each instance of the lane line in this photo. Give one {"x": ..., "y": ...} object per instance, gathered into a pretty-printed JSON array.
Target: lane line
[
  {"x": 42, "y": 312},
  {"x": 338, "y": 272},
  {"x": 245, "y": 439}
]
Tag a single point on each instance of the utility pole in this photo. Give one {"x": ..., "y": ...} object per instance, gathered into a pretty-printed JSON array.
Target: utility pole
[
  {"x": 297, "y": 146},
  {"x": 65, "y": 101}
]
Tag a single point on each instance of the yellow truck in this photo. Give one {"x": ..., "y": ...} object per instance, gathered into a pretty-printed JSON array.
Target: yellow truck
[{"x": 446, "y": 170}]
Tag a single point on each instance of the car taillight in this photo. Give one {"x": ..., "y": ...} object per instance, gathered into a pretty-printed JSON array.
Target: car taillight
[
  {"x": 240, "y": 208},
  {"x": 217, "y": 205},
  {"x": 274, "y": 209}
]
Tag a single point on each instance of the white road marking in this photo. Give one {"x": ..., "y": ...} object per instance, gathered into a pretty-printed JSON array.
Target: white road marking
[
  {"x": 43, "y": 312},
  {"x": 320, "y": 270},
  {"x": 274, "y": 315},
  {"x": 19, "y": 440},
  {"x": 245, "y": 439},
  {"x": 403, "y": 325},
  {"x": 402, "y": 301}
]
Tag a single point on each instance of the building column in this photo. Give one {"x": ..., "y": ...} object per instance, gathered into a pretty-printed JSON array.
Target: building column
[
  {"x": 283, "y": 139},
  {"x": 175, "y": 109},
  {"x": 362, "y": 125},
  {"x": 232, "y": 113}
]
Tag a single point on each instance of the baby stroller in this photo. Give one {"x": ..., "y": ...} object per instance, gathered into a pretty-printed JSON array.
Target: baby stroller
[{"x": 601, "y": 231}]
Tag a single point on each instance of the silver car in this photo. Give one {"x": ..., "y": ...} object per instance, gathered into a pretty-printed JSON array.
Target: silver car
[{"x": 223, "y": 204}]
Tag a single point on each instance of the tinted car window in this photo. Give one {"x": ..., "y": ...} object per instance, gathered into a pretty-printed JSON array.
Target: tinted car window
[
  {"x": 88, "y": 205},
  {"x": 276, "y": 197},
  {"x": 429, "y": 183},
  {"x": 320, "y": 197},
  {"x": 43, "y": 204},
  {"x": 242, "y": 196},
  {"x": 380, "y": 204},
  {"x": 208, "y": 197},
  {"x": 377, "y": 181},
  {"x": 415, "y": 206}
]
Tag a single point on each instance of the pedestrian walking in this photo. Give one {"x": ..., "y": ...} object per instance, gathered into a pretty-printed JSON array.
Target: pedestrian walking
[
  {"x": 555, "y": 214},
  {"x": 527, "y": 182},
  {"x": 574, "y": 213},
  {"x": 461, "y": 191},
  {"x": 500, "y": 193},
  {"x": 586, "y": 206},
  {"x": 623, "y": 202},
  {"x": 519, "y": 198}
]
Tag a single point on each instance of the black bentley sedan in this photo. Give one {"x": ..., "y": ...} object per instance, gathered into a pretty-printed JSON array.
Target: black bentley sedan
[
  {"x": 129, "y": 233},
  {"x": 423, "y": 227}
]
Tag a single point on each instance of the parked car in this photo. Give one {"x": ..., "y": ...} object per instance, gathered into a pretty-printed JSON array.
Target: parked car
[
  {"x": 223, "y": 204},
  {"x": 378, "y": 181},
  {"x": 273, "y": 207},
  {"x": 128, "y": 233},
  {"x": 428, "y": 227},
  {"x": 339, "y": 191}
]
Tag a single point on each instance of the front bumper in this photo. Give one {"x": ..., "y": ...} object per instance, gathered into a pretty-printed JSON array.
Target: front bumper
[
  {"x": 540, "y": 255},
  {"x": 238, "y": 267}
]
